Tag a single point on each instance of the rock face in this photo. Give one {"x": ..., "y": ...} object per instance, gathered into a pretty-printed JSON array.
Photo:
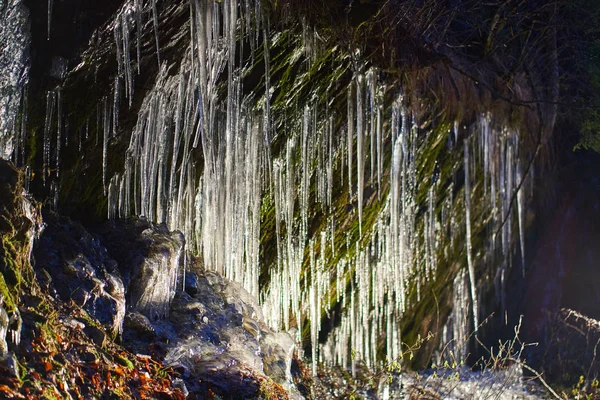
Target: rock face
[
  {"x": 3, "y": 329},
  {"x": 77, "y": 267},
  {"x": 214, "y": 331},
  {"x": 149, "y": 257},
  {"x": 20, "y": 223},
  {"x": 14, "y": 67}
]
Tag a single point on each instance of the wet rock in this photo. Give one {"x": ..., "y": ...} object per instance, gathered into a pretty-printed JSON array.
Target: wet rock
[
  {"x": 3, "y": 329},
  {"x": 277, "y": 349},
  {"x": 139, "y": 324},
  {"x": 212, "y": 332},
  {"x": 79, "y": 268},
  {"x": 10, "y": 327},
  {"x": 96, "y": 334},
  {"x": 215, "y": 338},
  {"x": 15, "y": 39},
  {"x": 72, "y": 323},
  {"x": 180, "y": 384},
  {"x": 149, "y": 257},
  {"x": 9, "y": 366},
  {"x": 138, "y": 332},
  {"x": 191, "y": 283}
]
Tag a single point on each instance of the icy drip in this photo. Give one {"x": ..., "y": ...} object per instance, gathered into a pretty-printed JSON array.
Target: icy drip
[
  {"x": 155, "y": 22},
  {"x": 455, "y": 333},
  {"x": 350, "y": 140},
  {"x": 139, "y": 28},
  {"x": 429, "y": 235},
  {"x": 121, "y": 32},
  {"x": 371, "y": 99},
  {"x": 20, "y": 139},
  {"x": 360, "y": 157},
  {"x": 306, "y": 155},
  {"x": 59, "y": 130},
  {"x": 470, "y": 266},
  {"x": 226, "y": 203},
  {"x": 106, "y": 124},
  {"x": 50, "y": 6},
  {"x": 315, "y": 310},
  {"x": 376, "y": 302},
  {"x": 520, "y": 211},
  {"x": 50, "y": 104},
  {"x": 267, "y": 100}
]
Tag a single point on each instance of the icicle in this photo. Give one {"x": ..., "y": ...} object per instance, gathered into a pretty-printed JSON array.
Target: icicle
[
  {"x": 350, "y": 142},
  {"x": 380, "y": 154},
  {"x": 115, "y": 110},
  {"x": 267, "y": 105},
  {"x": 54, "y": 193},
  {"x": 50, "y": 100},
  {"x": 28, "y": 177},
  {"x": 111, "y": 202},
  {"x": 50, "y": 6},
  {"x": 118, "y": 43},
  {"x": 314, "y": 312},
  {"x": 202, "y": 109},
  {"x": 127, "y": 61},
  {"x": 360, "y": 157},
  {"x": 59, "y": 132},
  {"x": 330, "y": 169},
  {"x": 155, "y": 20},
  {"x": 520, "y": 212},
  {"x": 471, "y": 267},
  {"x": 106, "y": 122},
  {"x": 372, "y": 128},
  {"x": 138, "y": 28}
]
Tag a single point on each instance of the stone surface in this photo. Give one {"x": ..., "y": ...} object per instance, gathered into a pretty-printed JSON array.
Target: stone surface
[
  {"x": 79, "y": 269},
  {"x": 3, "y": 330},
  {"x": 215, "y": 337},
  {"x": 212, "y": 332},
  {"x": 15, "y": 39},
  {"x": 149, "y": 258}
]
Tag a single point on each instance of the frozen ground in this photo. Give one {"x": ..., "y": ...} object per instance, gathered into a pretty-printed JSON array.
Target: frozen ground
[{"x": 506, "y": 384}]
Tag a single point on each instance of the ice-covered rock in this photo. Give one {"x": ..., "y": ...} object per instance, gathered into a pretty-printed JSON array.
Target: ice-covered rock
[
  {"x": 215, "y": 337},
  {"x": 15, "y": 39},
  {"x": 73, "y": 263},
  {"x": 3, "y": 329},
  {"x": 149, "y": 257}
]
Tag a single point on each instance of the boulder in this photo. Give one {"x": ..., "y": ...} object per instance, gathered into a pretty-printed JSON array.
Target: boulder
[
  {"x": 74, "y": 264},
  {"x": 149, "y": 257},
  {"x": 3, "y": 329},
  {"x": 214, "y": 336}
]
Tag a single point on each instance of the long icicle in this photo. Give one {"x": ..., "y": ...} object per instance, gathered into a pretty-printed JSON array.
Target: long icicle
[
  {"x": 470, "y": 265},
  {"x": 50, "y": 6},
  {"x": 155, "y": 20}
]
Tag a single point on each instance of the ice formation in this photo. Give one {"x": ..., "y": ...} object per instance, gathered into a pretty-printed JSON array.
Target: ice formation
[{"x": 383, "y": 228}]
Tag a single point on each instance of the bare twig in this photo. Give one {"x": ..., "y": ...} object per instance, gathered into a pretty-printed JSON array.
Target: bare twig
[{"x": 539, "y": 377}]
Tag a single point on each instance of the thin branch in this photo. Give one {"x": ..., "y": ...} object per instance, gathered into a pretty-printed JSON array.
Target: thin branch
[
  {"x": 538, "y": 146},
  {"x": 538, "y": 376}
]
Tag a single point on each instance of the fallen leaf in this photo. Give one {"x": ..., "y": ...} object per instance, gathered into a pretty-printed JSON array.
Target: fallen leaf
[
  {"x": 9, "y": 393},
  {"x": 47, "y": 366}
]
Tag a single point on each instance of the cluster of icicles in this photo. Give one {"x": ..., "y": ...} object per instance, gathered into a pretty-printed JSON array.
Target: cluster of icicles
[{"x": 219, "y": 209}]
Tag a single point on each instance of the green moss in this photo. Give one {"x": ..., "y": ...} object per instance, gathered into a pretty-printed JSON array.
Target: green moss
[
  {"x": 124, "y": 361},
  {"x": 9, "y": 303}
]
